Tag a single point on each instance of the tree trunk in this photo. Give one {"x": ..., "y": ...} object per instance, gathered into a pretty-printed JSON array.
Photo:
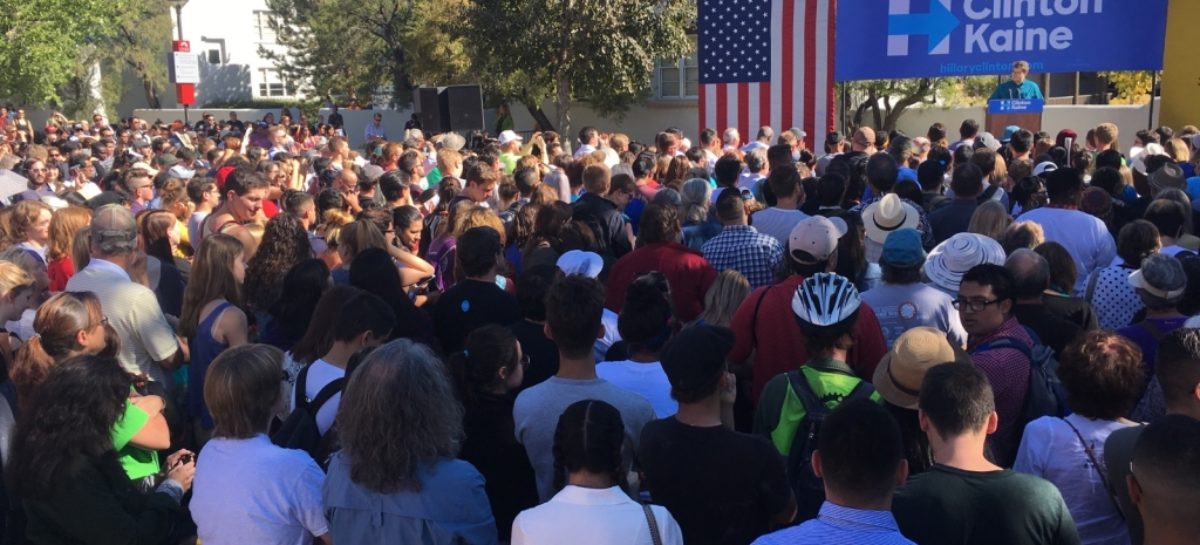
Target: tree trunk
[
  {"x": 151, "y": 94},
  {"x": 540, "y": 117},
  {"x": 563, "y": 83}
]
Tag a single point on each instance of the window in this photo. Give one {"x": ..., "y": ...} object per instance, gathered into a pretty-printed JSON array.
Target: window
[
  {"x": 677, "y": 78},
  {"x": 262, "y": 26},
  {"x": 213, "y": 50},
  {"x": 272, "y": 84},
  {"x": 213, "y": 56}
]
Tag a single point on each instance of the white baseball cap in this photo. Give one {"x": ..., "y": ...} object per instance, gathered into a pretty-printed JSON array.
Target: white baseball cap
[{"x": 509, "y": 136}]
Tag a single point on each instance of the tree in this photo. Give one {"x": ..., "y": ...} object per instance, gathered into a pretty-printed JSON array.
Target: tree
[
  {"x": 600, "y": 52},
  {"x": 39, "y": 52},
  {"x": 346, "y": 48},
  {"x": 137, "y": 45},
  {"x": 1131, "y": 87},
  {"x": 881, "y": 103}
]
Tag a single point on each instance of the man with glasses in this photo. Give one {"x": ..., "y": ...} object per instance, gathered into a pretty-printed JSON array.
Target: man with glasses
[
  {"x": 140, "y": 185},
  {"x": 375, "y": 131},
  {"x": 985, "y": 305}
]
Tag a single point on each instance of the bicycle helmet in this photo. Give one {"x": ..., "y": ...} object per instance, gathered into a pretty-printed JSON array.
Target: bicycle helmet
[{"x": 825, "y": 299}]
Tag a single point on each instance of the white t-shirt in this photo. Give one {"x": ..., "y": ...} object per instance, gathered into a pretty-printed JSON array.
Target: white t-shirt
[
  {"x": 1051, "y": 450},
  {"x": 193, "y": 227},
  {"x": 611, "y": 335},
  {"x": 321, "y": 373},
  {"x": 1084, "y": 236},
  {"x": 251, "y": 491},
  {"x": 592, "y": 516},
  {"x": 645, "y": 379},
  {"x": 777, "y": 222}
]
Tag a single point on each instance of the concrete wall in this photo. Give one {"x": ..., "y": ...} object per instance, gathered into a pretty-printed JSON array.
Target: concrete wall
[
  {"x": 642, "y": 123},
  {"x": 355, "y": 121},
  {"x": 1130, "y": 119}
]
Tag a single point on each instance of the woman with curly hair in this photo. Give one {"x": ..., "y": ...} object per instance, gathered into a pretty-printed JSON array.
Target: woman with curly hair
[
  {"x": 397, "y": 479},
  {"x": 65, "y": 469},
  {"x": 211, "y": 319},
  {"x": 302, "y": 287},
  {"x": 1103, "y": 377},
  {"x": 284, "y": 244},
  {"x": 589, "y": 475},
  {"x": 31, "y": 227}
]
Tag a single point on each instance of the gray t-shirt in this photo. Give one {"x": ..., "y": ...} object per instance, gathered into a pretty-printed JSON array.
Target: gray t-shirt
[
  {"x": 901, "y": 307},
  {"x": 777, "y": 222},
  {"x": 536, "y": 413}
]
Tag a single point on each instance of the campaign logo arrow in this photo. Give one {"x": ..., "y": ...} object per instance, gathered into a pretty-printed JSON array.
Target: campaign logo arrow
[{"x": 937, "y": 24}]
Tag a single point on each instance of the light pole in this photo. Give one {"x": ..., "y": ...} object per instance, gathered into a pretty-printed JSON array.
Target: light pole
[{"x": 178, "y": 5}]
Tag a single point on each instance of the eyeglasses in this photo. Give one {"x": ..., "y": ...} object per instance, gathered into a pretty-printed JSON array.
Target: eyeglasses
[{"x": 974, "y": 305}]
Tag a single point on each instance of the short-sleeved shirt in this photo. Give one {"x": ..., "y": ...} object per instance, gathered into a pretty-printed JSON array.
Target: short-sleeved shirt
[
  {"x": 1085, "y": 237},
  {"x": 133, "y": 311},
  {"x": 1050, "y": 449},
  {"x": 321, "y": 373},
  {"x": 537, "y": 409},
  {"x": 950, "y": 506},
  {"x": 468, "y": 305},
  {"x": 646, "y": 379},
  {"x": 901, "y": 307},
  {"x": 723, "y": 487},
  {"x": 777, "y": 222},
  {"x": 136, "y": 461},
  {"x": 251, "y": 491}
]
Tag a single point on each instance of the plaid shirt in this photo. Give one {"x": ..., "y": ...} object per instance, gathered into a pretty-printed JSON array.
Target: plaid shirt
[{"x": 744, "y": 249}]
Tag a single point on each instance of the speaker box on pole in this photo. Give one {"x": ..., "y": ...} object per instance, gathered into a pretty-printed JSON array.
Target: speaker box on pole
[{"x": 464, "y": 104}]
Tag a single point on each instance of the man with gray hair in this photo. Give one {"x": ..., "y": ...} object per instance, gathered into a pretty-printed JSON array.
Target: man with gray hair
[
  {"x": 731, "y": 139},
  {"x": 149, "y": 347},
  {"x": 1031, "y": 276}
]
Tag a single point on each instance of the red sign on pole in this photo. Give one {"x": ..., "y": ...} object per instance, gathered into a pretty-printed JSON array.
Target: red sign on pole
[{"x": 185, "y": 92}]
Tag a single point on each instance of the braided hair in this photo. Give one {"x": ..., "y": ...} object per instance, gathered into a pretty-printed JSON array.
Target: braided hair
[{"x": 589, "y": 436}]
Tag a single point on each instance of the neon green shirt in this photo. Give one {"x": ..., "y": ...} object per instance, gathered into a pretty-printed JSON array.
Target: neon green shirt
[
  {"x": 780, "y": 410},
  {"x": 137, "y": 462}
]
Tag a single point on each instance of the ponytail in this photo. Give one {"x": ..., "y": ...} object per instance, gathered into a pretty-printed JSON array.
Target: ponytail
[
  {"x": 29, "y": 369},
  {"x": 476, "y": 367}
]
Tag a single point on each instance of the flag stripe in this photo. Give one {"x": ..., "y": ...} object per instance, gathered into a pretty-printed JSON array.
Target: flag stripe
[
  {"x": 787, "y": 32},
  {"x": 797, "y": 89}
]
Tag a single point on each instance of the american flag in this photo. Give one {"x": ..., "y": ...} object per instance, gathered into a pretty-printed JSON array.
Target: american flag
[{"x": 767, "y": 62}]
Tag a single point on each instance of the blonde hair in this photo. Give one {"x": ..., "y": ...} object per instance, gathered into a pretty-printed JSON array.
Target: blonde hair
[
  {"x": 723, "y": 298},
  {"x": 990, "y": 220},
  {"x": 13, "y": 278},
  {"x": 25, "y": 214},
  {"x": 1106, "y": 133},
  {"x": 63, "y": 225},
  {"x": 357, "y": 236},
  {"x": 478, "y": 216},
  {"x": 1022, "y": 234}
]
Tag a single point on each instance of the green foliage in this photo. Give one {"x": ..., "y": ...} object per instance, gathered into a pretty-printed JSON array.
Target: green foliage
[
  {"x": 342, "y": 48},
  {"x": 600, "y": 52},
  {"x": 142, "y": 31},
  {"x": 42, "y": 40},
  {"x": 1132, "y": 87},
  {"x": 881, "y": 103}
]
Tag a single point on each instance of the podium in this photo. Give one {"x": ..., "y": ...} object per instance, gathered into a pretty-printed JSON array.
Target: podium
[{"x": 1024, "y": 113}]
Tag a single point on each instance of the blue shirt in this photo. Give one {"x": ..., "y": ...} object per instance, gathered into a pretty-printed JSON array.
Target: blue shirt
[
  {"x": 451, "y": 508},
  {"x": 837, "y": 525},
  {"x": 1010, "y": 89},
  {"x": 745, "y": 250}
]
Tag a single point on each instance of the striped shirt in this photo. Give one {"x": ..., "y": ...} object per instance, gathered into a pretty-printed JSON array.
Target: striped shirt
[{"x": 837, "y": 525}]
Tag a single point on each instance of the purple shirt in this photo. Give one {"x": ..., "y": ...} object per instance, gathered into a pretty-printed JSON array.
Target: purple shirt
[
  {"x": 1007, "y": 369},
  {"x": 1140, "y": 335}
]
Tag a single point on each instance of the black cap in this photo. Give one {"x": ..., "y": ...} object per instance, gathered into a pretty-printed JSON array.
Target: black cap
[{"x": 695, "y": 355}]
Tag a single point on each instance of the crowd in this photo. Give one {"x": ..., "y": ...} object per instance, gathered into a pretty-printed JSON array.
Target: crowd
[{"x": 234, "y": 333}]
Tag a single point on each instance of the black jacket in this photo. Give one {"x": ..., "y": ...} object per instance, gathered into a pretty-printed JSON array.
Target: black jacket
[
  {"x": 100, "y": 506},
  {"x": 607, "y": 221}
]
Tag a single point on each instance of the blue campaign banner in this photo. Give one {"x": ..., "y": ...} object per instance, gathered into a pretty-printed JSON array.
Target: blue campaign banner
[
  {"x": 1016, "y": 106},
  {"x": 888, "y": 39}
]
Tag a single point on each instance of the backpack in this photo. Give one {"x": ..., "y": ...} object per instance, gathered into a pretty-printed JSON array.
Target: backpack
[
  {"x": 808, "y": 488},
  {"x": 1045, "y": 395},
  {"x": 300, "y": 430}
]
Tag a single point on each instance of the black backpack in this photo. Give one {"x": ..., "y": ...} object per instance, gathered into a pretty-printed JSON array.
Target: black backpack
[
  {"x": 808, "y": 488},
  {"x": 300, "y": 430},
  {"x": 1045, "y": 395}
]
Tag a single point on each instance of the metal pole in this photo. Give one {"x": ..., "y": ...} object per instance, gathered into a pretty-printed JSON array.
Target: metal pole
[
  {"x": 1153, "y": 86},
  {"x": 1075, "y": 97},
  {"x": 179, "y": 28}
]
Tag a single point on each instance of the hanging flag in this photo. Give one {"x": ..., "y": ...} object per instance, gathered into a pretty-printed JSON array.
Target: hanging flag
[{"x": 767, "y": 62}]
